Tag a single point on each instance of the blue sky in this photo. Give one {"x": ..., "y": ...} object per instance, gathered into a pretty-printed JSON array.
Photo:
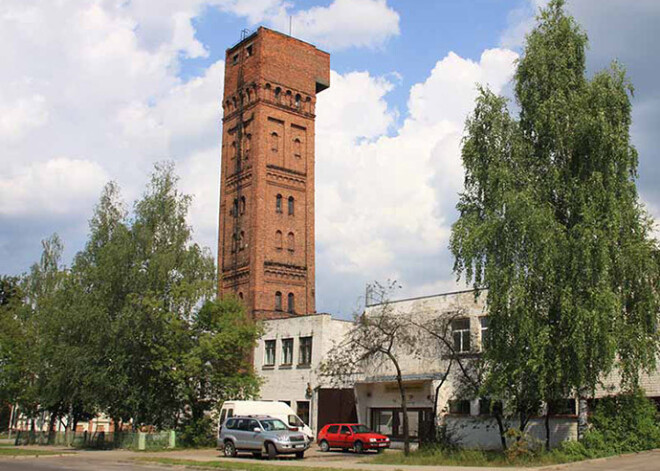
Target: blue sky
[{"x": 102, "y": 90}]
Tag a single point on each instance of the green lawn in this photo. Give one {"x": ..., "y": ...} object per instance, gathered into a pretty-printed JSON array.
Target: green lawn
[
  {"x": 234, "y": 465},
  {"x": 29, "y": 452},
  {"x": 435, "y": 457}
]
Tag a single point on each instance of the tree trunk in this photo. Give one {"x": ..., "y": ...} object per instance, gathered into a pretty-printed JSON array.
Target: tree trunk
[
  {"x": 547, "y": 427},
  {"x": 500, "y": 427},
  {"x": 434, "y": 426},
  {"x": 583, "y": 416},
  {"x": 404, "y": 408},
  {"x": 51, "y": 427}
]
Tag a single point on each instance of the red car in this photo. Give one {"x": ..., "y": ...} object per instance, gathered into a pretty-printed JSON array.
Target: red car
[{"x": 355, "y": 436}]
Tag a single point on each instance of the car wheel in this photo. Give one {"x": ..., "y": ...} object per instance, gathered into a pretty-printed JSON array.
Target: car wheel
[
  {"x": 271, "y": 451},
  {"x": 380, "y": 450},
  {"x": 230, "y": 449},
  {"x": 325, "y": 447},
  {"x": 300, "y": 455},
  {"x": 359, "y": 447}
]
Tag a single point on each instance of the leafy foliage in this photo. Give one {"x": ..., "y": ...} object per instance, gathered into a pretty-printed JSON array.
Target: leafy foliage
[
  {"x": 131, "y": 329},
  {"x": 552, "y": 226}
]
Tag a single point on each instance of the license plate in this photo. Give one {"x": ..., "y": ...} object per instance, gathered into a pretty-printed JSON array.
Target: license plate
[{"x": 299, "y": 446}]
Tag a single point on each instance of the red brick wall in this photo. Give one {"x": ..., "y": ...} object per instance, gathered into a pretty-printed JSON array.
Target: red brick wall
[{"x": 278, "y": 82}]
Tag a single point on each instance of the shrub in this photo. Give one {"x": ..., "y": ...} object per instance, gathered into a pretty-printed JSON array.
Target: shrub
[
  {"x": 197, "y": 433},
  {"x": 624, "y": 423}
]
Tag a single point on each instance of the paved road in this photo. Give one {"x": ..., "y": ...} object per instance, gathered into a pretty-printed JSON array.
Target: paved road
[{"x": 121, "y": 461}]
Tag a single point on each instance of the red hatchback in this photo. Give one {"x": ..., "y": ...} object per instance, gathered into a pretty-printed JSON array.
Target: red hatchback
[{"x": 355, "y": 436}]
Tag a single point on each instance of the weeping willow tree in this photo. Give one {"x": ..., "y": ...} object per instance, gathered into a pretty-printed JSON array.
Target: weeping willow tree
[{"x": 552, "y": 225}]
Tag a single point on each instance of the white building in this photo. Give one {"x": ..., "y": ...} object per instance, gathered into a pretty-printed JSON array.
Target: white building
[
  {"x": 289, "y": 353},
  {"x": 287, "y": 357}
]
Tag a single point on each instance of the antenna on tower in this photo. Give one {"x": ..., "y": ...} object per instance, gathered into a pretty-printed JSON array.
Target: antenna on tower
[
  {"x": 244, "y": 33},
  {"x": 290, "y": 21}
]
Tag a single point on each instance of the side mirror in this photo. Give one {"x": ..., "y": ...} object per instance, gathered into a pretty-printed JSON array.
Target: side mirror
[{"x": 256, "y": 430}]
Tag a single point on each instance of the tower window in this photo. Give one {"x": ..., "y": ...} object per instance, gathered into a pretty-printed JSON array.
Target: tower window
[
  {"x": 278, "y": 301},
  {"x": 241, "y": 241},
  {"x": 274, "y": 142},
  {"x": 242, "y": 204},
  {"x": 235, "y": 59},
  {"x": 297, "y": 148},
  {"x": 291, "y": 205},
  {"x": 248, "y": 144},
  {"x": 290, "y": 306},
  {"x": 278, "y": 204},
  {"x": 291, "y": 242},
  {"x": 234, "y": 208},
  {"x": 298, "y": 100},
  {"x": 278, "y": 240},
  {"x": 249, "y": 51},
  {"x": 278, "y": 94}
]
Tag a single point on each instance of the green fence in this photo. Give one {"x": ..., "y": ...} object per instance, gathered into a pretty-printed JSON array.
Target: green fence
[{"x": 99, "y": 440}]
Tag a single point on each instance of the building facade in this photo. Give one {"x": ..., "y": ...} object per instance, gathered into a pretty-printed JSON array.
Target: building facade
[
  {"x": 266, "y": 217},
  {"x": 287, "y": 358}
]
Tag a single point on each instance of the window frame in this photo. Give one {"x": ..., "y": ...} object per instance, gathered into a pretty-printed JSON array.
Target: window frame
[
  {"x": 267, "y": 350},
  {"x": 464, "y": 345},
  {"x": 305, "y": 345},
  {"x": 287, "y": 347}
]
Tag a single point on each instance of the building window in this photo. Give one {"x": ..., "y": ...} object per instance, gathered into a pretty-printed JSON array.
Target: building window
[
  {"x": 241, "y": 241},
  {"x": 248, "y": 144},
  {"x": 290, "y": 304},
  {"x": 278, "y": 301},
  {"x": 291, "y": 242},
  {"x": 269, "y": 359},
  {"x": 234, "y": 208},
  {"x": 302, "y": 411},
  {"x": 278, "y": 240},
  {"x": 459, "y": 407},
  {"x": 240, "y": 295},
  {"x": 278, "y": 204},
  {"x": 297, "y": 148},
  {"x": 287, "y": 351},
  {"x": 242, "y": 204},
  {"x": 460, "y": 329},
  {"x": 249, "y": 50},
  {"x": 291, "y": 205},
  {"x": 305, "y": 356},
  {"x": 483, "y": 324},
  {"x": 235, "y": 59},
  {"x": 297, "y": 103},
  {"x": 278, "y": 94},
  {"x": 274, "y": 142},
  {"x": 233, "y": 150}
]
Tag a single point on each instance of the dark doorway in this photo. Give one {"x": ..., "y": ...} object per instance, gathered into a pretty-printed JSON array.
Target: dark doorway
[{"x": 336, "y": 406}]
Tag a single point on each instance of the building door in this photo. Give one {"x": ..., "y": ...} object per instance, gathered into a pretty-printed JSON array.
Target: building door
[{"x": 336, "y": 406}]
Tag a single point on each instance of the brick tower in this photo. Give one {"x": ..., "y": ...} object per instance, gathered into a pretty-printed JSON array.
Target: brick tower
[{"x": 266, "y": 236}]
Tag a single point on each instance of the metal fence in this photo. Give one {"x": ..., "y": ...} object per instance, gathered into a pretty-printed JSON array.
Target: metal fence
[{"x": 99, "y": 440}]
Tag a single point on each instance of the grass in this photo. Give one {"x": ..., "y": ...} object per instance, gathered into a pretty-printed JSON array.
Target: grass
[
  {"x": 437, "y": 457},
  {"x": 233, "y": 465},
  {"x": 29, "y": 452}
]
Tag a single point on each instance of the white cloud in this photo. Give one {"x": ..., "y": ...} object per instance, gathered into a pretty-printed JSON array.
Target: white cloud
[
  {"x": 343, "y": 24},
  {"x": 56, "y": 187},
  {"x": 385, "y": 203}
]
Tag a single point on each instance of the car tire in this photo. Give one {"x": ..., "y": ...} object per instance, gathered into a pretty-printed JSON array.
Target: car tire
[
  {"x": 300, "y": 455},
  {"x": 271, "y": 451},
  {"x": 380, "y": 450},
  {"x": 230, "y": 449},
  {"x": 325, "y": 446},
  {"x": 359, "y": 447}
]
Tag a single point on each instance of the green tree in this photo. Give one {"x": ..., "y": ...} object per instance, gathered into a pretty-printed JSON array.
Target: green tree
[
  {"x": 216, "y": 365},
  {"x": 551, "y": 224}
]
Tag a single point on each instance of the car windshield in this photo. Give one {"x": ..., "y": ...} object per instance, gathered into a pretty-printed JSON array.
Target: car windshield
[
  {"x": 273, "y": 424},
  {"x": 360, "y": 428}
]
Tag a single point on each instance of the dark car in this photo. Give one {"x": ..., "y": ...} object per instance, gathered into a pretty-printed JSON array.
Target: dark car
[{"x": 351, "y": 436}]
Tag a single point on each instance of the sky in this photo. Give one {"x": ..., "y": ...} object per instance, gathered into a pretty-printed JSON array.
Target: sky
[{"x": 93, "y": 91}]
